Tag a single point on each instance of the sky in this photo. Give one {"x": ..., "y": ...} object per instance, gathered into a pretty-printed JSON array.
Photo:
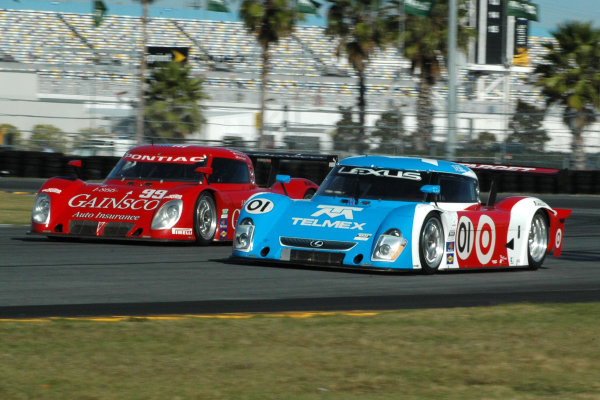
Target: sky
[{"x": 551, "y": 12}]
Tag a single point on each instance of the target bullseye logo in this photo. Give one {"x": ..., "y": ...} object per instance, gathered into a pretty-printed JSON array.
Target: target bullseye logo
[
  {"x": 483, "y": 239},
  {"x": 558, "y": 239}
]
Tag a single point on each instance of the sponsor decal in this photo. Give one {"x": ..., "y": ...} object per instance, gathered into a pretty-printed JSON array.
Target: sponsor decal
[
  {"x": 388, "y": 173},
  {"x": 558, "y": 239},
  {"x": 182, "y": 231},
  {"x": 159, "y": 158},
  {"x": 102, "y": 215},
  {"x": 335, "y": 211},
  {"x": 450, "y": 247},
  {"x": 223, "y": 223},
  {"x": 148, "y": 200},
  {"x": 100, "y": 227},
  {"x": 486, "y": 239},
  {"x": 223, "y": 233},
  {"x": 362, "y": 236},
  {"x": 460, "y": 169},
  {"x": 328, "y": 223},
  {"x": 483, "y": 240},
  {"x": 259, "y": 206},
  {"x": 83, "y": 215},
  {"x": 52, "y": 190},
  {"x": 104, "y": 189},
  {"x": 174, "y": 197},
  {"x": 450, "y": 258},
  {"x": 503, "y": 259},
  {"x": 510, "y": 168}
]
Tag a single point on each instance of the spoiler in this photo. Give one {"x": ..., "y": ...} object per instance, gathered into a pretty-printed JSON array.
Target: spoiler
[
  {"x": 267, "y": 165},
  {"x": 510, "y": 168}
]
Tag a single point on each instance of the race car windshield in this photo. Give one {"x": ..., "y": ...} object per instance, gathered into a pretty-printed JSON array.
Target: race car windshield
[
  {"x": 224, "y": 170},
  {"x": 157, "y": 171},
  {"x": 374, "y": 183}
]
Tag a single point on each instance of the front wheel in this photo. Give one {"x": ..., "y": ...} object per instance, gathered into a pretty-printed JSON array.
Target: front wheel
[
  {"x": 537, "y": 243},
  {"x": 205, "y": 219},
  {"x": 431, "y": 244}
]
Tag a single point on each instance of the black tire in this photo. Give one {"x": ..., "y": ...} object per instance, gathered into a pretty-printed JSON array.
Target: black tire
[
  {"x": 205, "y": 218},
  {"x": 309, "y": 194},
  {"x": 537, "y": 240},
  {"x": 431, "y": 244}
]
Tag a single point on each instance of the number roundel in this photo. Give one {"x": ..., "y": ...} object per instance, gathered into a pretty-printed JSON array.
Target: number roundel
[
  {"x": 259, "y": 206},
  {"x": 464, "y": 238},
  {"x": 482, "y": 239}
]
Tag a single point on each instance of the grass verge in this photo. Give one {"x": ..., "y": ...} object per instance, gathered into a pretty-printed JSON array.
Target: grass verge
[
  {"x": 15, "y": 209},
  {"x": 503, "y": 352}
]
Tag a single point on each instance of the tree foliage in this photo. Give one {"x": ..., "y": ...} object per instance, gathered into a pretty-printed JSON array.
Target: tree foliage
[
  {"x": 173, "y": 101},
  {"x": 526, "y": 126},
  {"x": 47, "y": 137},
  {"x": 389, "y": 129},
  {"x": 269, "y": 21},
  {"x": 362, "y": 27},
  {"x": 347, "y": 134},
  {"x": 425, "y": 43},
  {"x": 569, "y": 76},
  {"x": 9, "y": 135}
]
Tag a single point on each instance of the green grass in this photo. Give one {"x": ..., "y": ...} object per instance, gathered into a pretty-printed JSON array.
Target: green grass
[
  {"x": 15, "y": 209},
  {"x": 503, "y": 352}
]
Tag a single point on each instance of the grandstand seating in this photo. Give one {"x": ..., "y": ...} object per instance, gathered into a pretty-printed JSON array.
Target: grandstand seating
[{"x": 72, "y": 56}]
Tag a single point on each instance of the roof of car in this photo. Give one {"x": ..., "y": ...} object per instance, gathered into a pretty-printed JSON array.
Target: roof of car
[
  {"x": 187, "y": 151},
  {"x": 409, "y": 163}
]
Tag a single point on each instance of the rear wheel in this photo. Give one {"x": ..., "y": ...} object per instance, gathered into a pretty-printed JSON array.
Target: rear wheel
[
  {"x": 431, "y": 244},
  {"x": 205, "y": 218},
  {"x": 309, "y": 194},
  {"x": 537, "y": 243}
]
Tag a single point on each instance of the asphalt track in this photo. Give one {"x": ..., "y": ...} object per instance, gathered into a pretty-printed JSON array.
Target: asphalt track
[{"x": 40, "y": 277}]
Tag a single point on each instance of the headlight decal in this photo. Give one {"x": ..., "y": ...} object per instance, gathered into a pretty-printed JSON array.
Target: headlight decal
[
  {"x": 41, "y": 209},
  {"x": 389, "y": 246},
  {"x": 244, "y": 235},
  {"x": 168, "y": 215}
]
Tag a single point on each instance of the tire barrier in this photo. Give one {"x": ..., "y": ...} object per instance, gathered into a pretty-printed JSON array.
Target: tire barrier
[{"x": 45, "y": 165}]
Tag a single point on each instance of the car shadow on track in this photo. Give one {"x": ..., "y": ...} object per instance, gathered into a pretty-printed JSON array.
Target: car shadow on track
[{"x": 361, "y": 271}]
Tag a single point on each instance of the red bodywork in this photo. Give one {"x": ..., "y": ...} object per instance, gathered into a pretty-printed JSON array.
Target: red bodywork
[
  {"x": 495, "y": 236},
  {"x": 124, "y": 208}
]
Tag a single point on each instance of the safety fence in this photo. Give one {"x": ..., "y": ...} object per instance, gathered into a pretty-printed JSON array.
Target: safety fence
[{"x": 508, "y": 180}]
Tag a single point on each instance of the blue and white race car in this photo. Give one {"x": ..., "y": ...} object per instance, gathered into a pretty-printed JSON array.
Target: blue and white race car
[{"x": 399, "y": 213}]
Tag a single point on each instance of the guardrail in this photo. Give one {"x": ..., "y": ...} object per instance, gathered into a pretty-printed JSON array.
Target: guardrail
[{"x": 45, "y": 165}]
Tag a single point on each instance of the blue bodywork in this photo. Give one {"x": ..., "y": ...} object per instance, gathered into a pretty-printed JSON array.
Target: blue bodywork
[{"x": 344, "y": 230}]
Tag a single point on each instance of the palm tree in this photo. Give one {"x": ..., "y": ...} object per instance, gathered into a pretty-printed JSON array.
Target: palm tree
[
  {"x": 569, "y": 76},
  {"x": 268, "y": 20},
  {"x": 172, "y": 99},
  {"x": 425, "y": 45},
  {"x": 362, "y": 27}
]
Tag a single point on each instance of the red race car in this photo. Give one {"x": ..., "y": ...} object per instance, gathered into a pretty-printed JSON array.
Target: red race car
[{"x": 158, "y": 192}]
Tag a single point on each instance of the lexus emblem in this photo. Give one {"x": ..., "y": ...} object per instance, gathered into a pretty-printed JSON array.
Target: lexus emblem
[{"x": 316, "y": 243}]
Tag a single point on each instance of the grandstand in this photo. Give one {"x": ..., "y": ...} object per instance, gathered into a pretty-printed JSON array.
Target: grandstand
[{"x": 75, "y": 61}]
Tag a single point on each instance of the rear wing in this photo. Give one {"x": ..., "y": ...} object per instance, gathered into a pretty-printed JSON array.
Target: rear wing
[
  {"x": 509, "y": 168},
  {"x": 267, "y": 165},
  {"x": 516, "y": 179}
]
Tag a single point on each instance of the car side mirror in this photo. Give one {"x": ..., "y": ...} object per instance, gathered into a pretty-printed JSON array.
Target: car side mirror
[
  {"x": 76, "y": 164},
  {"x": 282, "y": 178},
  {"x": 206, "y": 171}
]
